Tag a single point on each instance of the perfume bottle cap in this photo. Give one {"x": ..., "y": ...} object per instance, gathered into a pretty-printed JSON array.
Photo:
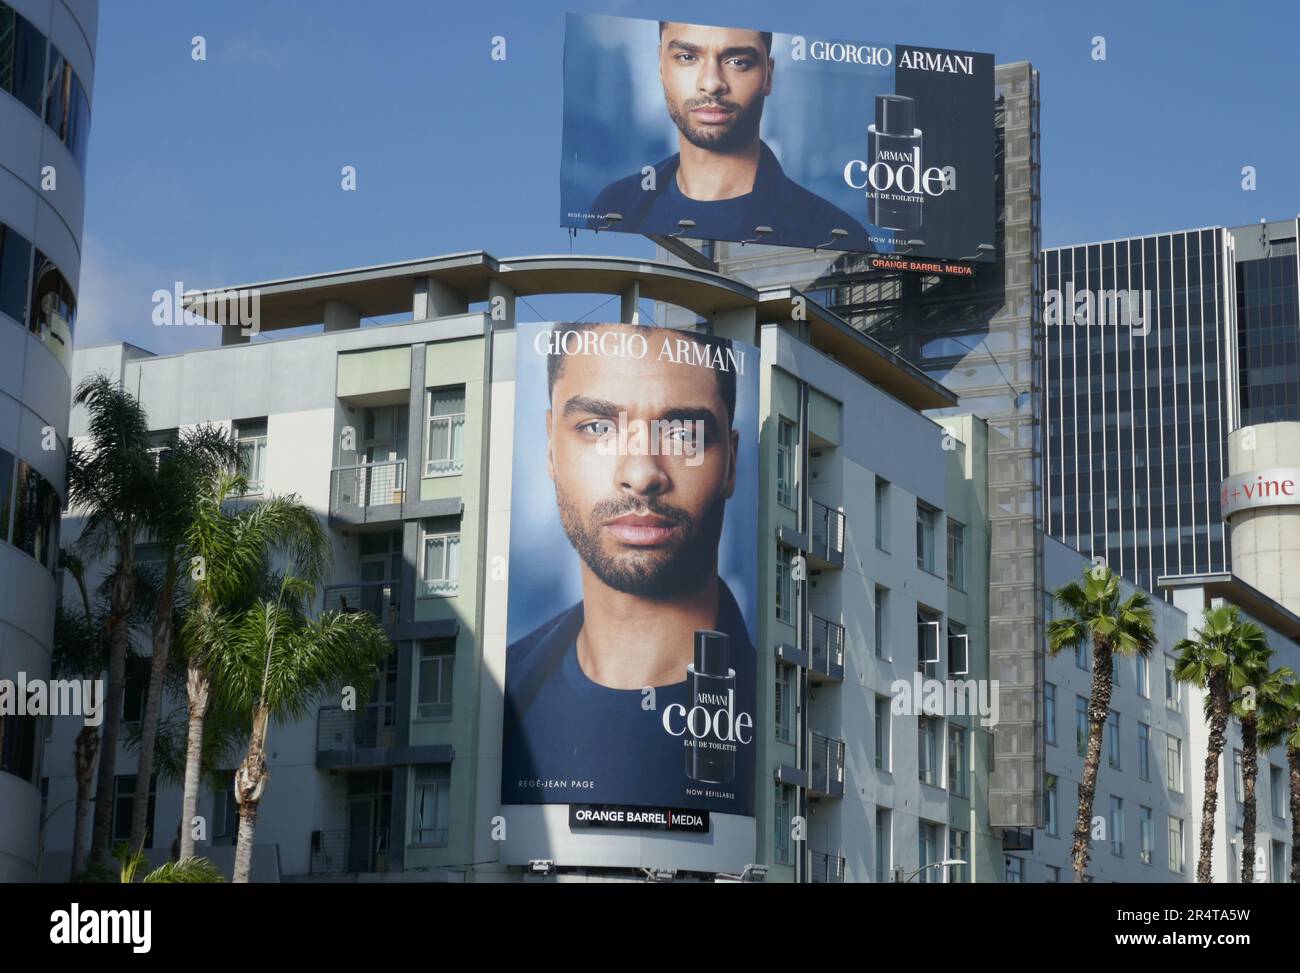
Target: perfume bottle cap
[
  {"x": 712, "y": 652},
  {"x": 895, "y": 114}
]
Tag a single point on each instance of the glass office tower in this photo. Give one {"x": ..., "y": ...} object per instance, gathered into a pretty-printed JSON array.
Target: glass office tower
[{"x": 1138, "y": 408}]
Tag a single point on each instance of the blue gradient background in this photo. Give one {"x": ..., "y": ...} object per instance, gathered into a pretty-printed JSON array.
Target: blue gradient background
[{"x": 544, "y": 568}]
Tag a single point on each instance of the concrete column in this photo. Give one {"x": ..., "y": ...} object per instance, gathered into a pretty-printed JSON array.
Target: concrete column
[
  {"x": 234, "y": 336},
  {"x": 629, "y": 312},
  {"x": 434, "y": 299},
  {"x": 738, "y": 324},
  {"x": 341, "y": 317},
  {"x": 501, "y": 305},
  {"x": 1265, "y": 538},
  {"x": 415, "y": 425}
]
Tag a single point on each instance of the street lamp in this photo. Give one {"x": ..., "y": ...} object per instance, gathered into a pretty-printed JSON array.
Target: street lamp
[{"x": 939, "y": 864}]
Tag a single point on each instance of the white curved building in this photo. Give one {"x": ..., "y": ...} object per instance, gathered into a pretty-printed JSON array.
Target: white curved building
[{"x": 47, "y": 66}]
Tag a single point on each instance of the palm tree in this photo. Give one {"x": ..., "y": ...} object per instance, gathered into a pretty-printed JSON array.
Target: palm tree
[
  {"x": 200, "y": 455},
  {"x": 109, "y": 482},
  {"x": 1259, "y": 710},
  {"x": 1125, "y": 627},
  {"x": 233, "y": 548},
  {"x": 1280, "y": 724},
  {"x": 1216, "y": 661},
  {"x": 80, "y": 650},
  {"x": 187, "y": 871},
  {"x": 277, "y": 661}
]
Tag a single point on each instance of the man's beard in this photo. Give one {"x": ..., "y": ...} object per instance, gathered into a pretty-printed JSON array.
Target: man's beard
[
  {"x": 647, "y": 573},
  {"x": 742, "y": 132}
]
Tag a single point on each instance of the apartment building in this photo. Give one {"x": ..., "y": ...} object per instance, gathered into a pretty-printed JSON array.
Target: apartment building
[{"x": 873, "y": 550}]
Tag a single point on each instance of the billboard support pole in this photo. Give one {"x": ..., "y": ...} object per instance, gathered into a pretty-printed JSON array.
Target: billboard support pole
[{"x": 680, "y": 248}]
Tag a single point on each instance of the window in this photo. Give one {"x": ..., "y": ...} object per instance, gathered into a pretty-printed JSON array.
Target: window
[
  {"x": 1238, "y": 779},
  {"x": 1112, "y": 739},
  {"x": 15, "y": 270},
  {"x": 53, "y": 309},
  {"x": 18, "y": 736},
  {"x": 1173, "y": 689},
  {"x": 956, "y": 555},
  {"x": 22, "y": 58},
  {"x": 927, "y": 644},
  {"x": 1143, "y": 676},
  {"x": 250, "y": 434},
  {"x": 36, "y": 517},
  {"x": 1277, "y": 862},
  {"x": 781, "y": 825},
  {"x": 785, "y": 587},
  {"x": 926, "y": 516},
  {"x": 882, "y": 733},
  {"x": 1053, "y": 876},
  {"x": 67, "y": 109},
  {"x": 927, "y": 749},
  {"x": 958, "y": 650},
  {"x": 1144, "y": 752},
  {"x": 1276, "y": 791},
  {"x": 785, "y": 460},
  {"x": 1176, "y": 845},
  {"x": 434, "y": 692},
  {"x": 957, "y": 844},
  {"x": 444, "y": 438},
  {"x": 1049, "y": 713},
  {"x": 785, "y": 702},
  {"x": 1081, "y": 656},
  {"x": 883, "y": 842},
  {"x": 882, "y": 514},
  {"x": 881, "y": 620},
  {"x": 958, "y": 762},
  {"x": 928, "y": 852},
  {"x": 1117, "y": 826},
  {"x": 1080, "y": 725},
  {"x": 7, "y": 461},
  {"x": 440, "y": 560},
  {"x": 225, "y": 813},
  {"x": 124, "y": 802},
  {"x": 1015, "y": 870},
  {"x": 432, "y": 805},
  {"x": 1146, "y": 835},
  {"x": 1174, "y": 763},
  {"x": 1051, "y": 805}
]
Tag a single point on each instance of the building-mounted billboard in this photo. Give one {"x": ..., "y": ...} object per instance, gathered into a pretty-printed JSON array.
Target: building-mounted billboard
[
  {"x": 630, "y": 681},
  {"x": 723, "y": 133}
]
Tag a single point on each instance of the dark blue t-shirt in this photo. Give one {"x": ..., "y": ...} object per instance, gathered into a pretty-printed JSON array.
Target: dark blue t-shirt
[
  {"x": 798, "y": 217},
  {"x": 568, "y": 740}
]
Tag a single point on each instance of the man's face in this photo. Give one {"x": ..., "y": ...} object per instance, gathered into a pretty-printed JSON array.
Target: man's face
[
  {"x": 715, "y": 80},
  {"x": 645, "y": 520}
]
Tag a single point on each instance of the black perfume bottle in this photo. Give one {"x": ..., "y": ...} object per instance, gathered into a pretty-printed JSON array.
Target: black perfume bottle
[
  {"x": 893, "y": 142},
  {"x": 711, "y": 691}
]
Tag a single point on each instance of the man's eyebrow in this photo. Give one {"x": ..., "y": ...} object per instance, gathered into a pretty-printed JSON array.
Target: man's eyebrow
[
  {"x": 581, "y": 404},
  {"x": 745, "y": 50},
  {"x": 691, "y": 414}
]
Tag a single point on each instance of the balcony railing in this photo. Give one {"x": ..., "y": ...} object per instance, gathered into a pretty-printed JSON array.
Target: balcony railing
[
  {"x": 826, "y": 643},
  {"x": 361, "y": 488},
  {"x": 827, "y": 543},
  {"x": 342, "y": 852},
  {"x": 826, "y": 867},
  {"x": 368, "y": 728},
  {"x": 380, "y": 598},
  {"x": 825, "y": 766}
]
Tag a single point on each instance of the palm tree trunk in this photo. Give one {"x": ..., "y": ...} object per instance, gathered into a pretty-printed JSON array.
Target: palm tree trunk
[
  {"x": 1293, "y": 764},
  {"x": 197, "y": 691},
  {"x": 87, "y": 747},
  {"x": 1249, "y": 771},
  {"x": 1209, "y": 807},
  {"x": 123, "y": 602},
  {"x": 1098, "y": 711},
  {"x": 250, "y": 782},
  {"x": 162, "y": 645}
]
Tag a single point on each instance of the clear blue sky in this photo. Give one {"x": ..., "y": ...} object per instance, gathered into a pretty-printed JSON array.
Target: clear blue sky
[{"x": 227, "y": 171}]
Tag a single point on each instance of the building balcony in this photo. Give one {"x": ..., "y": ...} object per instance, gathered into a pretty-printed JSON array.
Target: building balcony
[
  {"x": 368, "y": 492},
  {"x": 826, "y": 544},
  {"x": 355, "y": 739},
  {"x": 825, "y": 766},
  {"x": 826, "y": 650},
  {"x": 349, "y": 852},
  {"x": 380, "y": 598},
  {"x": 825, "y": 867}
]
